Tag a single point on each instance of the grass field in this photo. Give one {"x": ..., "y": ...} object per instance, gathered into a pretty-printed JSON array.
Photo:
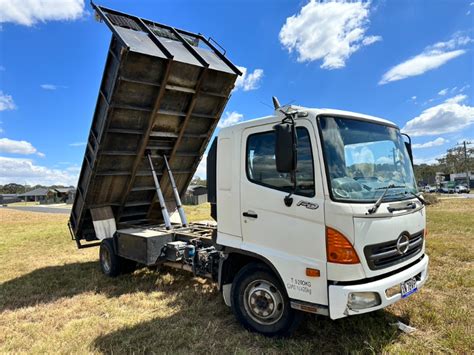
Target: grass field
[{"x": 53, "y": 299}]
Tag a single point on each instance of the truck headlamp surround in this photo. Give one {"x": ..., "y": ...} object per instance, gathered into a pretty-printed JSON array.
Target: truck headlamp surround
[{"x": 362, "y": 300}]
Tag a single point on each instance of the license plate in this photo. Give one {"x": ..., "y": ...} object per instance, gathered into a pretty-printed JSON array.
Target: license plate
[{"x": 408, "y": 287}]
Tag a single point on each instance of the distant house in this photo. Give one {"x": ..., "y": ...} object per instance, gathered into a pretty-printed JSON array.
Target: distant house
[
  {"x": 460, "y": 178},
  {"x": 195, "y": 195},
  {"x": 65, "y": 194},
  {"x": 37, "y": 195},
  {"x": 49, "y": 195},
  {"x": 8, "y": 198}
]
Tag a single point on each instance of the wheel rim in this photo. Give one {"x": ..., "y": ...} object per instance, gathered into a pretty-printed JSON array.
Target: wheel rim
[
  {"x": 263, "y": 302},
  {"x": 106, "y": 259}
]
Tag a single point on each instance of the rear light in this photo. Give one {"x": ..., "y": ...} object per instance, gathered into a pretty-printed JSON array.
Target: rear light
[{"x": 339, "y": 250}]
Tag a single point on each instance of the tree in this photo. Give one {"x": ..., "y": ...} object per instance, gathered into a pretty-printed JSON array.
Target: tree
[
  {"x": 198, "y": 181},
  {"x": 426, "y": 173},
  {"x": 455, "y": 161}
]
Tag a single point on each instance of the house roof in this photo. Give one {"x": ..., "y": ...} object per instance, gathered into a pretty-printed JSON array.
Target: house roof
[
  {"x": 64, "y": 190},
  {"x": 41, "y": 191},
  {"x": 195, "y": 187}
]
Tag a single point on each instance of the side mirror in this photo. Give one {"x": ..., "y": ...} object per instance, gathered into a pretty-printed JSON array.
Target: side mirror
[
  {"x": 408, "y": 147},
  {"x": 285, "y": 147}
]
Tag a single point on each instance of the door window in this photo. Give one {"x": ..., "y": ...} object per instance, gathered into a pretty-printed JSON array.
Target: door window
[{"x": 261, "y": 165}]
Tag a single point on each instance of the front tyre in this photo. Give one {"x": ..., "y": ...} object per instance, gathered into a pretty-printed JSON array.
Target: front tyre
[{"x": 260, "y": 302}]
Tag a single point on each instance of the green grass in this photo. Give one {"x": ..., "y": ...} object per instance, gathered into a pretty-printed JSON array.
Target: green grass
[{"x": 53, "y": 299}]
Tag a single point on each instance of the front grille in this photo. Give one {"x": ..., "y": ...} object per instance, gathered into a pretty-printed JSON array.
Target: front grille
[{"x": 385, "y": 254}]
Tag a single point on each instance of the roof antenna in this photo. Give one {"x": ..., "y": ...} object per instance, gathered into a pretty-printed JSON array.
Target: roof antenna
[{"x": 276, "y": 103}]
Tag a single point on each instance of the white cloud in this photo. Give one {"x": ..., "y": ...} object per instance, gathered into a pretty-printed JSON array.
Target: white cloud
[
  {"x": 443, "y": 92},
  {"x": 384, "y": 160},
  {"x": 30, "y": 12},
  {"x": 6, "y": 102},
  {"x": 22, "y": 171},
  {"x": 18, "y": 147},
  {"x": 49, "y": 86},
  {"x": 450, "y": 116},
  {"x": 77, "y": 144},
  {"x": 249, "y": 81},
  {"x": 434, "y": 143},
  {"x": 367, "y": 41},
  {"x": 230, "y": 119},
  {"x": 2, "y": 68},
  {"x": 429, "y": 160},
  {"x": 431, "y": 58},
  {"x": 328, "y": 31},
  {"x": 52, "y": 86}
]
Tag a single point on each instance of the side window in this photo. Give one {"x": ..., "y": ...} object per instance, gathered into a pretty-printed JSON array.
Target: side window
[{"x": 261, "y": 166}]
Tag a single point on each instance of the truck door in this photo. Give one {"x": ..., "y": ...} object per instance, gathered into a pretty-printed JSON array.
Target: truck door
[{"x": 292, "y": 237}]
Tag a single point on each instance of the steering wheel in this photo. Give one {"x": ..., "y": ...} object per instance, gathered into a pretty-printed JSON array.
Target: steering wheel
[{"x": 341, "y": 193}]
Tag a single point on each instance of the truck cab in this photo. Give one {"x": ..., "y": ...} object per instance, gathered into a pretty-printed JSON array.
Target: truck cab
[{"x": 343, "y": 233}]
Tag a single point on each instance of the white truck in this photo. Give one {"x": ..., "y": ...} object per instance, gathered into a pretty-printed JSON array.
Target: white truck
[{"x": 317, "y": 210}]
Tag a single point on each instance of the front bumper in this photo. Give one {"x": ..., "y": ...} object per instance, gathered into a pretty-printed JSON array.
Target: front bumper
[{"x": 338, "y": 295}]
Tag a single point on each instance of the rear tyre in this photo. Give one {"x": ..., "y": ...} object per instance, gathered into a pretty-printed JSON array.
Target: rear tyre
[
  {"x": 109, "y": 261},
  {"x": 260, "y": 302}
]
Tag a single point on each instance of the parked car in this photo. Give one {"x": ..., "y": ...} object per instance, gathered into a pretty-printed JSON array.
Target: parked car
[
  {"x": 461, "y": 189},
  {"x": 447, "y": 187},
  {"x": 429, "y": 188}
]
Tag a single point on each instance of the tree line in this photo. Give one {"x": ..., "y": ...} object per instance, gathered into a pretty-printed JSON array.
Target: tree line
[
  {"x": 13, "y": 188},
  {"x": 456, "y": 160}
]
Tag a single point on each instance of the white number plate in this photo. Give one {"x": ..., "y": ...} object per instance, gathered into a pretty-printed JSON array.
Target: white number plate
[{"x": 408, "y": 287}]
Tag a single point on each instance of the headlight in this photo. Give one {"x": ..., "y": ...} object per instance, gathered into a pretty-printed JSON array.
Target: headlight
[{"x": 361, "y": 300}]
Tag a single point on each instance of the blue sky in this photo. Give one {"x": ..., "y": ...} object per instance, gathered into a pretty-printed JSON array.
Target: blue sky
[{"x": 408, "y": 61}]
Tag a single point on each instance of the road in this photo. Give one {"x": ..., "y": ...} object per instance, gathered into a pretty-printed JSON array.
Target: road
[{"x": 41, "y": 209}]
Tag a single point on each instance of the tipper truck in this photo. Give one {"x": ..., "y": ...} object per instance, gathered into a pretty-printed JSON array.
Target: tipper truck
[{"x": 316, "y": 210}]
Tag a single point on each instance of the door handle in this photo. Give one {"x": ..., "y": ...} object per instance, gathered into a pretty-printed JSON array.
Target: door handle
[{"x": 250, "y": 214}]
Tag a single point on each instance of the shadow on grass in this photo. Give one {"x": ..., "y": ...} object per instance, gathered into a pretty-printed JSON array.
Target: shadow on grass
[
  {"x": 212, "y": 328},
  {"x": 51, "y": 283},
  {"x": 191, "y": 315}
]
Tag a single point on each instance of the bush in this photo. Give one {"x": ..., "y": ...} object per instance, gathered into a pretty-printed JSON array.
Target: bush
[{"x": 430, "y": 199}]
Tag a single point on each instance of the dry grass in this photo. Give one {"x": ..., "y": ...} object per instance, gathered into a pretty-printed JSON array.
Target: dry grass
[
  {"x": 28, "y": 203},
  {"x": 53, "y": 299}
]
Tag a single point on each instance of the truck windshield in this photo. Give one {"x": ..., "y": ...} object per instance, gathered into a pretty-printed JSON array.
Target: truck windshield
[{"x": 363, "y": 158}]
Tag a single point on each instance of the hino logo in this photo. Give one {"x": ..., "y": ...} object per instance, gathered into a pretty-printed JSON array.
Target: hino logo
[{"x": 403, "y": 243}]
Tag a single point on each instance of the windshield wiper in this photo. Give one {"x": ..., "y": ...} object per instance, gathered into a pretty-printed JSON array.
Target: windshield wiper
[
  {"x": 421, "y": 199},
  {"x": 377, "y": 204}
]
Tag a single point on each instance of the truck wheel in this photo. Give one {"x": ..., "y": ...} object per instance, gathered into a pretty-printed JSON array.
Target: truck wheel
[
  {"x": 260, "y": 302},
  {"x": 109, "y": 261}
]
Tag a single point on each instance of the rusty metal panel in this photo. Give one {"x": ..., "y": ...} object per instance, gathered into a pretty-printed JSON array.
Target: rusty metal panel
[{"x": 163, "y": 90}]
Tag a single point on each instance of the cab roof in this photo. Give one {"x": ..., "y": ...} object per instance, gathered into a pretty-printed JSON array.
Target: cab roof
[{"x": 314, "y": 112}]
